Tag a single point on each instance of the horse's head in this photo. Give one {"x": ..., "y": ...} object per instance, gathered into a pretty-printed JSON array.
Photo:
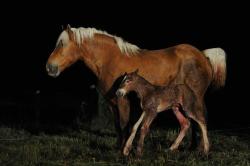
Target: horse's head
[
  {"x": 128, "y": 84},
  {"x": 65, "y": 54}
]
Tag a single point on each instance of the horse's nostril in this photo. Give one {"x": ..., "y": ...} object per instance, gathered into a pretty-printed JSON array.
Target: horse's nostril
[
  {"x": 47, "y": 67},
  {"x": 51, "y": 68}
]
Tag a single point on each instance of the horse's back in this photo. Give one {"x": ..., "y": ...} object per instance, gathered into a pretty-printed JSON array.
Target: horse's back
[
  {"x": 168, "y": 62},
  {"x": 173, "y": 54},
  {"x": 183, "y": 64},
  {"x": 158, "y": 66}
]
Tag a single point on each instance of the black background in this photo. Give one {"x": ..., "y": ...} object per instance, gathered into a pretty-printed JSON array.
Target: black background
[{"x": 29, "y": 32}]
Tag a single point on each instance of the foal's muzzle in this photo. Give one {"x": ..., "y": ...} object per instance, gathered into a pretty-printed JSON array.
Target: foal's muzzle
[
  {"x": 52, "y": 70},
  {"x": 120, "y": 93}
]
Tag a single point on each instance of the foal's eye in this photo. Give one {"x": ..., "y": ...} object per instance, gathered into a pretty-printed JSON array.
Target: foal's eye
[{"x": 127, "y": 81}]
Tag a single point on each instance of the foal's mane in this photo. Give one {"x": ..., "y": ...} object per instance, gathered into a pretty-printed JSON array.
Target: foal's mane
[{"x": 80, "y": 34}]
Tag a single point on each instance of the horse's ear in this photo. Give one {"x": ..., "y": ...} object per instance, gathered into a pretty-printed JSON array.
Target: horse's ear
[
  {"x": 68, "y": 27},
  {"x": 70, "y": 32},
  {"x": 60, "y": 44}
]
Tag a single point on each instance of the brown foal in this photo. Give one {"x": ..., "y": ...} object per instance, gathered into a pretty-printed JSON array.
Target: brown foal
[{"x": 155, "y": 99}]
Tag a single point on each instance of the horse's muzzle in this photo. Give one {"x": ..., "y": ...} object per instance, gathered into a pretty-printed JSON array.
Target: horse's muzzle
[{"x": 52, "y": 70}]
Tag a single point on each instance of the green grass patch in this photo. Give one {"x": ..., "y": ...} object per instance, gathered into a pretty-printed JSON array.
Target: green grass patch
[{"x": 19, "y": 147}]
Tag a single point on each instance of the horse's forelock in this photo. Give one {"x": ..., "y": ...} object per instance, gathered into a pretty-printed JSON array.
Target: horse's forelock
[{"x": 64, "y": 38}]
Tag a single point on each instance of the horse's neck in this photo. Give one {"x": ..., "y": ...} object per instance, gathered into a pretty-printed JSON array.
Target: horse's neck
[
  {"x": 97, "y": 53},
  {"x": 143, "y": 88}
]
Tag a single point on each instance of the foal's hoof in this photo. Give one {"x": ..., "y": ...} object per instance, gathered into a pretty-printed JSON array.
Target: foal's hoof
[
  {"x": 206, "y": 152},
  {"x": 203, "y": 150},
  {"x": 126, "y": 150},
  {"x": 203, "y": 153},
  {"x": 138, "y": 152},
  {"x": 173, "y": 149}
]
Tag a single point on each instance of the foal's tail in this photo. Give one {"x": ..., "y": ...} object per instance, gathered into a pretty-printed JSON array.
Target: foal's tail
[{"x": 217, "y": 58}]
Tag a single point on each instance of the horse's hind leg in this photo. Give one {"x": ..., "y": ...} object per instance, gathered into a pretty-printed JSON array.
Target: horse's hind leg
[
  {"x": 201, "y": 120},
  {"x": 203, "y": 127},
  {"x": 184, "y": 123}
]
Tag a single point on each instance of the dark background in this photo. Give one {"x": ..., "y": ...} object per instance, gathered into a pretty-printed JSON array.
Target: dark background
[{"x": 29, "y": 33}]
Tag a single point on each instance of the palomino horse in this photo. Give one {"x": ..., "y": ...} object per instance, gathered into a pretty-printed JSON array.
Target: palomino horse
[
  {"x": 110, "y": 56},
  {"x": 155, "y": 99}
]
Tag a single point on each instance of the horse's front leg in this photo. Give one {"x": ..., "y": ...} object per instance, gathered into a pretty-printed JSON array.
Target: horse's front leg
[
  {"x": 124, "y": 111},
  {"x": 149, "y": 117}
]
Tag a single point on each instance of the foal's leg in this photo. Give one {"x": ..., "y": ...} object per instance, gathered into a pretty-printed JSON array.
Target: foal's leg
[
  {"x": 184, "y": 123},
  {"x": 149, "y": 117},
  {"x": 124, "y": 110},
  {"x": 128, "y": 145}
]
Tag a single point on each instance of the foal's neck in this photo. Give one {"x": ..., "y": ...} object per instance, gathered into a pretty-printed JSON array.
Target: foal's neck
[{"x": 143, "y": 88}]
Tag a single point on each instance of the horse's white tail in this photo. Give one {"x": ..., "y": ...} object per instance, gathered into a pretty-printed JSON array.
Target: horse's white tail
[{"x": 217, "y": 58}]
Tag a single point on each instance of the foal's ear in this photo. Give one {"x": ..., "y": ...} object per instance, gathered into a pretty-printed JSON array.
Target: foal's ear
[
  {"x": 70, "y": 32},
  {"x": 124, "y": 74},
  {"x": 136, "y": 71}
]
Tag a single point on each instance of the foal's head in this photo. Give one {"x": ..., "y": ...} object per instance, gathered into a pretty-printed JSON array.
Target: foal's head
[
  {"x": 128, "y": 84},
  {"x": 65, "y": 54}
]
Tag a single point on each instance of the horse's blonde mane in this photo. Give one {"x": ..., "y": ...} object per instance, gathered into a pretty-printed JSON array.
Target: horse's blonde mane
[{"x": 80, "y": 34}]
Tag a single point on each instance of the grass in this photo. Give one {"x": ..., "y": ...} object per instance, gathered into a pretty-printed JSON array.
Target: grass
[{"x": 19, "y": 147}]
